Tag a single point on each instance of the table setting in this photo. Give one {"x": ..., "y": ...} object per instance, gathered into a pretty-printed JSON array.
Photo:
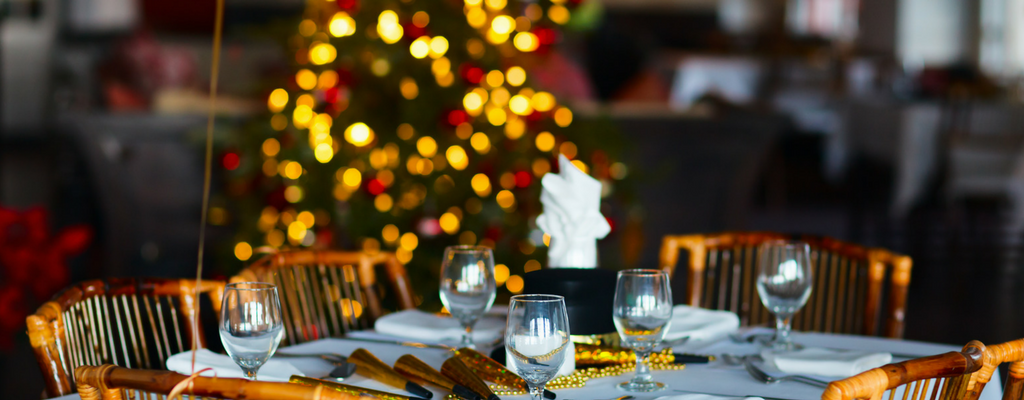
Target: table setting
[{"x": 664, "y": 351}]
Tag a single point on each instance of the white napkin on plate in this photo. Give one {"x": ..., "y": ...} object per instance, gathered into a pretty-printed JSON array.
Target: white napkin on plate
[
  {"x": 701, "y": 324},
  {"x": 696, "y": 396},
  {"x": 224, "y": 367},
  {"x": 572, "y": 216},
  {"x": 427, "y": 327},
  {"x": 826, "y": 362}
]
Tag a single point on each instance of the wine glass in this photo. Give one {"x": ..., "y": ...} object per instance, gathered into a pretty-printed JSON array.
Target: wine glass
[
  {"x": 537, "y": 336},
  {"x": 250, "y": 324},
  {"x": 467, "y": 285},
  {"x": 642, "y": 314},
  {"x": 784, "y": 283}
]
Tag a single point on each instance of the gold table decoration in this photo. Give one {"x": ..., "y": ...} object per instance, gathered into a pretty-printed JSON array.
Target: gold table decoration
[
  {"x": 349, "y": 389},
  {"x": 455, "y": 369},
  {"x": 589, "y": 355}
]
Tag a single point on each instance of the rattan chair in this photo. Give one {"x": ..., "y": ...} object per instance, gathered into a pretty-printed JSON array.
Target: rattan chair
[
  {"x": 849, "y": 281},
  {"x": 130, "y": 322},
  {"x": 329, "y": 293},
  {"x": 940, "y": 377},
  {"x": 109, "y": 382},
  {"x": 1009, "y": 352}
]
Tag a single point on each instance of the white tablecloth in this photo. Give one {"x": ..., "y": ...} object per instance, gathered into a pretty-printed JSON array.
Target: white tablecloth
[{"x": 713, "y": 378}]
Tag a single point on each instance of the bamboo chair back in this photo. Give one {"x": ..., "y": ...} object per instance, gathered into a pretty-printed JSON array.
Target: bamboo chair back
[
  {"x": 131, "y": 322},
  {"x": 328, "y": 293},
  {"x": 940, "y": 377},
  {"x": 109, "y": 382},
  {"x": 1010, "y": 352},
  {"x": 848, "y": 281}
]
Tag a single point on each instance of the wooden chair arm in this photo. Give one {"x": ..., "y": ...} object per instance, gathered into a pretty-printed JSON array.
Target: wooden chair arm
[{"x": 107, "y": 379}]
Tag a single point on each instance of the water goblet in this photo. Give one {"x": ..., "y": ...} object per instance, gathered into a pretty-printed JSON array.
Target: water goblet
[
  {"x": 536, "y": 337},
  {"x": 467, "y": 286},
  {"x": 642, "y": 314},
  {"x": 784, "y": 284},
  {"x": 250, "y": 324}
]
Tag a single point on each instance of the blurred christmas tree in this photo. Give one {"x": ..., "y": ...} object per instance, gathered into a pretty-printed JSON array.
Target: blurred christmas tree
[{"x": 409, "y": 126}]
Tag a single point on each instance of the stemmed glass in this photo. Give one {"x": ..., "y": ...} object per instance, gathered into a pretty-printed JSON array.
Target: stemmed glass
[
  {"x": 642, "y": 314},
  {"x": 784, "y": 283},
  {"x": 467, "y": 285},
  {"x": 250, "y": 324},
  {"x": 536, "y": 336}
]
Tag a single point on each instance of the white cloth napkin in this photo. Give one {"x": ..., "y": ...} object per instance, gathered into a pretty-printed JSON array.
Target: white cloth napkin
[
  {"x": 826, "y": 362},
  {"x": 572, "y": 216},
  {"x": 704, "y": 397},
  {"x": 224, "y": 367},
  {"x": 427, "y": 327},
  {"x": 701, "y": 324}
]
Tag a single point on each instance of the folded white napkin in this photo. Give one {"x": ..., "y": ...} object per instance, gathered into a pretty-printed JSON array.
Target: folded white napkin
[
  {"x": 224, "y": 367},
  {"x": 701, "y": 324},
  {"x": 705, "y": 397},
  {"x": 826, "y": 362},
  {"x": 427, "y": 327}
]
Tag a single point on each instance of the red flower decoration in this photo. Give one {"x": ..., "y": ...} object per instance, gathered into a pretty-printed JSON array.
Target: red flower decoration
[{"x": 32, "y": 263}]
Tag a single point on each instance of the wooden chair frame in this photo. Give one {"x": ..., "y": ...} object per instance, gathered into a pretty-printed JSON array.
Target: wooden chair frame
[
  {"x": 880, "y": 263},
  {"x": 59, "y": 353},
  {"x": 300, "y": 291},
  {"x": 109, "y": 382},
  {"x": 1010, "y": 352},
  {"x": 955, "y": 369}
]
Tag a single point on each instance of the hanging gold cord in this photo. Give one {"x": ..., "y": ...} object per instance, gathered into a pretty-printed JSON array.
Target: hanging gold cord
[{"x": 218, "y": 26}]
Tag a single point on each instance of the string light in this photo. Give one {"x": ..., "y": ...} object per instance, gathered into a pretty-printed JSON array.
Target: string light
[
  {"x": 322, "y": 53},
  {"x": 558, "y": 14},
  {"x": 293, "y": 194},
  {"x": 506, "y": 199},
  {"x": 426, "y": 146},
  {"x": 327, "y": 80},
  {"x": 271, "y": 147},
  {"x": 359, "y": 134},
  {"x": 515, "y": 128},
  {"x": 306, "y": 79},
  {"x": 534, "y": 12},
  {"x": 438, "y": 46},
  {"x": 464, "y": 130},
  {"x": 500, "y": 273},
  {"x": 297, "y": 231},
  {"x": 383, "y": 202},
  {"x": 421, "y": 19},
  {"x": 531, "y": 265},
  {"x": 496, "y": 116},
  {"x": 476, "y": 17},
  {"x": 480, "y": 142},
  {"x": 496, "y": 4},
  {"x": 388, "y": 28},
  {"x": 495, "y": 37},
  {"x": 441, "y": 66},
  {"x": 342, "y": 25},
  {"x": 307, "y": 27},
  {"x": 389, "y": 233},
  {"x": 568, "y": 149},
  {"x": 306, "y": 218},
  {"x": 502, "y": 24},
  {"x": 618, "y": 171},
  {"x": 514, "y": 284},
  {"x": 420, "y": 47},
  {"x": 475, "y": 48},
  {"x": 292, "y": 170},
  {"x": 409, "y": 88},
  {"x": 380, "y": 67},
  {"x": 473, "y": 103},
  {"x": 449, "y": 223},
  {"x": 352, "y": 178},
  {"x": 457, "y": 157},
  {"x": 305, "y": 100},
  {"x": 500, "y": 96},
  {"x": 243, "y": 251},
  {"x": 563, "y": 117},
  {"x": 545, "y": 141},
  {"x": 495, "y": 78},
  {"x": 515, "y": 76},
  {"x": 323, "y": 152},
  {"x": 277, "y": 100},
  {"x": 409, "y": 241},
  {"x": 481, "y": 185},
  {"x": 543, "y": 101},
  {"x": 581, "y": 165},
  {"x": 405, "y": 132},
  {"x": 519, "y": 104},
  {"x": 526, "y": 42},
  {"x": 279, "y": 122}
]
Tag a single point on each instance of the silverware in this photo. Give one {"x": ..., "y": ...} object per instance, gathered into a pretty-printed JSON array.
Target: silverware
[
  {"x": 762, "y": 376},
  {"x": 401, "y": 343},
  {"x": 674, "y": 342},
  {"x": 731, "y": 395},
  {"x": 732, "y": 359},
  {"x": 342, "y": 368}
]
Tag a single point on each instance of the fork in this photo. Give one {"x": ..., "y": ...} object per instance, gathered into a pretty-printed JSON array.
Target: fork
[{"x": 762, "y": 376}]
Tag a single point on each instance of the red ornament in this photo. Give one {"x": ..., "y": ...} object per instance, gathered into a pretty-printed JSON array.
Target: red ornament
[
  {"x": 523, "y": 179},
  {"x": 375, "y": 186},
  {"x": 456, "y": 117},
  {"x": 429, "y": 227},
  {"x": 348, "y": 5},
  {"x": 474, "y": 75},
  {"x": 231, "y": 161},
  {"x": 413, "y": 32},
  {"x": 546, "y": 36},
  {"x": 331, "y": 95}
]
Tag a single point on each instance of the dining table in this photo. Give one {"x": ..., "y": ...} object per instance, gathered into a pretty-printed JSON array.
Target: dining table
[{"x": 717, "y": 377}]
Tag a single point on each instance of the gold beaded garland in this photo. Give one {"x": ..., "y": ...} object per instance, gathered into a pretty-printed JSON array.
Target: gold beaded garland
[{"x": 580, "y": 377}]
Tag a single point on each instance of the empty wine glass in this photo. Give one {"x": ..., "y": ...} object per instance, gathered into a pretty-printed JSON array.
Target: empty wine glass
[
  {"x": 642, "y": 314},
  {"x": 250, "y": 324},
  {"x": 467, "y": 285},
  {"x": 784, "y": 283},
  {"x": 537, "y": 336}
]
